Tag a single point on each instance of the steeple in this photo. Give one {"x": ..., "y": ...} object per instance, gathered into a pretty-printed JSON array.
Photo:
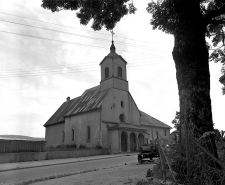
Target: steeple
[
  {"x": 113, "y": 71},
  {"x": 112, "y": 48}
]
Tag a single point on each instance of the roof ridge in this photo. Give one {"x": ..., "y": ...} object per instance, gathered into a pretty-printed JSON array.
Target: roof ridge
[{"x": 150, "y": 118}]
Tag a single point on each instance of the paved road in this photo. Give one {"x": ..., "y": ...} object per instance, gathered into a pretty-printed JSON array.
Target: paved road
[{"x": 16, "y": 176}]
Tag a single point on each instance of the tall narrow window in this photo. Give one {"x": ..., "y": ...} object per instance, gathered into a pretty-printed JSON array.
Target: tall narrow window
[
  {"x": 120, "y": 72},
  {"x": 73, "y": 135},
  {"x": 106, "y": 72},
  {"x": 63, "y": 136},
  {"x": 88, "y": 133},
  {"x": 165, "y": 132},
  {"x": 122, "y": 105}
]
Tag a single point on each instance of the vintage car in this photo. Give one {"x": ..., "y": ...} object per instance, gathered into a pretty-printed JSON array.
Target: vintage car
[{"x": 148, "y": 152}]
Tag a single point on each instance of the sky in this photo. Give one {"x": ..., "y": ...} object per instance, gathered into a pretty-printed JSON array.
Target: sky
[{"x": 46, "y": 57}]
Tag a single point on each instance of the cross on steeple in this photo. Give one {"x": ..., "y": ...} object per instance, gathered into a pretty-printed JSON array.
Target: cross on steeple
[
  {"x": 112, "y": 34},
  {"x": 112, "y": 48}
]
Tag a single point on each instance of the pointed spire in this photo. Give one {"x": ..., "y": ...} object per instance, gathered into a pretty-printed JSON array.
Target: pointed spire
[{"x": 112, "y": 48}]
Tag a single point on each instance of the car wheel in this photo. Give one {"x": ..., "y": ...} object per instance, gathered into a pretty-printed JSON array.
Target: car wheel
[{"x": 139, "y": 160}]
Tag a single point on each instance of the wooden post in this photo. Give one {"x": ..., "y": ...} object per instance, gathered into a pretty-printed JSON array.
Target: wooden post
[{"x": 161, "y": 158}]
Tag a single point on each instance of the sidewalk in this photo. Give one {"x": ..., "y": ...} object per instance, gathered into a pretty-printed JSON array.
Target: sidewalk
[{"x": 33, "y": 164}]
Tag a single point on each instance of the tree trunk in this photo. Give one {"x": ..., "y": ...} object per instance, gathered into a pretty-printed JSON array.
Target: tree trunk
[{"x": 190, "y": 54}]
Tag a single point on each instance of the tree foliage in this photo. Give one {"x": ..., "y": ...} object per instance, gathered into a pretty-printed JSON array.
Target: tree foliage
[
  {"x": 105, "y": 13},
  {"x": 176, "y": 121}
]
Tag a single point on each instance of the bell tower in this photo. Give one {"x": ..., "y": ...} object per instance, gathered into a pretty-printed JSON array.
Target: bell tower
[{"x": 113, "y": 71}]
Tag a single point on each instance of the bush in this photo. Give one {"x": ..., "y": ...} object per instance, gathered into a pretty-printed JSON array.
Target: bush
[
  {"x": 98, "y": 147},
  {"x": 82, "y": 146}
]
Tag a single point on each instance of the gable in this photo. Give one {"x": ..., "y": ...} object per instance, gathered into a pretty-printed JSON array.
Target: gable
[
  {"x": 91, "y": 99},
  {"x": 119, "y": 103},
  {"x": 148, "y": 120}
]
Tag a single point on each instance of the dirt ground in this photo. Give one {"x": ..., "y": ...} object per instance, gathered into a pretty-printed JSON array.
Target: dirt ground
[{"x": 127, "y": 174}]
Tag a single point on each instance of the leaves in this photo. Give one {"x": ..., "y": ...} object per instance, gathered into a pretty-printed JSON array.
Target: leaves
[
  {"x": 132, "y": 8},
  {"x": 176, "y": 120},
  {"x": 104, "y": 13}
]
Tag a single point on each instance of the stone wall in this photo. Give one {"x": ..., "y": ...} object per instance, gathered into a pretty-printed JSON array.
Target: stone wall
[{"x": 39, "y": 156}]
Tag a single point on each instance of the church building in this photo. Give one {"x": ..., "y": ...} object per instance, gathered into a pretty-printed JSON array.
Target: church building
[{"x": 105, "y": 115}]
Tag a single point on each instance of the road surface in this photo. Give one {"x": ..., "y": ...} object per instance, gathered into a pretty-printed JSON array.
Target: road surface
[{"x": 18, "y": 176}]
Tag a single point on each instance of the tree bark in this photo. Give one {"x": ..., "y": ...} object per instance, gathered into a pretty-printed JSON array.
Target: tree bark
[{"x": 191, "y": 56}]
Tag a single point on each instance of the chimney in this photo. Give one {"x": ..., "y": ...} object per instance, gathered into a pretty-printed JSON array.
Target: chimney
[{"x": 67, "y": 99}]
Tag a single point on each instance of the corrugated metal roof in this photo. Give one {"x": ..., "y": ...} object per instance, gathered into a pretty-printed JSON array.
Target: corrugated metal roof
[
  {"x": 58, "y": 116},
  {"x": 91, "y": 99},
  {"x": 150, "y": 121}
]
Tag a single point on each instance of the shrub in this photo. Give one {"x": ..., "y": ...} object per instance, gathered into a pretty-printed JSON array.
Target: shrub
[
  {"x": 82, "y": 146},
  {"x": 98, "y": 147}
]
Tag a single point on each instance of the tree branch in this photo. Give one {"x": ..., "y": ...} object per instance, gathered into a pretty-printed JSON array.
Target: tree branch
[
  {"x": 216, "y": 22},
  {"x": 215, "y": 13}
]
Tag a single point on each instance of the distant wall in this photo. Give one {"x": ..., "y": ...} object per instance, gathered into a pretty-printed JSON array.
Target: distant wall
[
  {"x": 16, "y": 146},
  {"x": 54, "y": 134},
  {"x": 39, "y": 156}
]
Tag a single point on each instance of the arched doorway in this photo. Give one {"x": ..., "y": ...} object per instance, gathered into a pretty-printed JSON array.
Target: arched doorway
[
  {"x": 132, "y": 142},
  {"x": 123, "y": 141},
  {"x": 140, "y": 140}
]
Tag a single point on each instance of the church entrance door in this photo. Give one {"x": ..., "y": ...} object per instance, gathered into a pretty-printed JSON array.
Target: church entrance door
[
  {"x": 140, "y": 140},
  {"x": 132, "y": 142},
  {"x": 123, "y": 141}
]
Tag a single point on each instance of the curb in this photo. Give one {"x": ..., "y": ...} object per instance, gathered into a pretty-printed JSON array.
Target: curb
[{"x": 18, "y": 168}]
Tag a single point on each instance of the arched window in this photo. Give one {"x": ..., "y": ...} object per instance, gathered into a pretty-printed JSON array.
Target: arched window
[
  {"x": 120, "y": 72},
  {"x": 88, "y": 133},
  {"x": 122, "y": 105},
  {"x": 106, "y": 72},
  {"x": 73, "y": 135}
]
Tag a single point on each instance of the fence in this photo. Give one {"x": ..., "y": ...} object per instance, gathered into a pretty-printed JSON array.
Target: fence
[
  {"x": 191, "y": 161},
  {"x": 17, "y": 146}
]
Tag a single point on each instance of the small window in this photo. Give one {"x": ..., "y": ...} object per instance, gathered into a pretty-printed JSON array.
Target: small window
[
  {"x": 106, "y": 72},
  {"x": 88, "y": 133},
  {"x": 165, "y": 132},
  {"x": 63, "y": 136},
  {"x": 119, "y": 72},
  {"x": 122, "y": 118},
  {"x": 122, "y": 105},
  {"x": 73, "y": 135}
]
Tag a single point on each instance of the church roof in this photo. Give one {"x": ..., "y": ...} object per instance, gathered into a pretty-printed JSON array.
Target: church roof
[
  {"x": 150, "y": 121},
  {"x": 91, "y": 99}
]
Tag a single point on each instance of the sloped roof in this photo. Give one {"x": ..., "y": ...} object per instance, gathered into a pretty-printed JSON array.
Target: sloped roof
[
  {"x": 91, "y": 99},
  {"x": 175, "y": 132},
  {"x": 150, "y": 121},
  {"x": 127, "y": 126}
]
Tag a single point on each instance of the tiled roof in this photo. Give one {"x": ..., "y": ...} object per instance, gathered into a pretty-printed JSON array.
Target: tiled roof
[
  {"x": 150, "y": 121},
  {"x": 91, "y": 99}
]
